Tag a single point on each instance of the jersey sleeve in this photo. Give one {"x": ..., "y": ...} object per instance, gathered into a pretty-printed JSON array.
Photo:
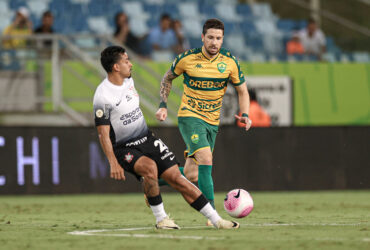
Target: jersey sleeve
[
  {"x": 236, "y": 76},
  {"x": 178, "y": 65},
  {"x": 102, "y": 110}
]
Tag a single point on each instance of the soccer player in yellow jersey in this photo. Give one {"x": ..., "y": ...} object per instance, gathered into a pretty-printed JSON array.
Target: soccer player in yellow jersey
[{"x": 207, "y": 72}]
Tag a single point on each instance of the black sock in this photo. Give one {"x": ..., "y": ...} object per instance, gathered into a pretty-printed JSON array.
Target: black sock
[
  {"x": 200, "y": 202},
  {"x": 156, "y": 200}
]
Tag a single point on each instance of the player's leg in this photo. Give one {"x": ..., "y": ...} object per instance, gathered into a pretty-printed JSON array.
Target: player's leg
[
  {"x": 195, "y": 133},
  {"x": 191, "y": 169},
  {"x": 195, "y": 198},
  {"x": 205, "y": 181},
  {"x": 147, "y": 168}
]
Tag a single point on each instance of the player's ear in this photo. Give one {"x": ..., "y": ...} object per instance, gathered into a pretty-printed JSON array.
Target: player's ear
[
  {"x": 202, "y": 38},
  {"x": 115, "y": 67}
]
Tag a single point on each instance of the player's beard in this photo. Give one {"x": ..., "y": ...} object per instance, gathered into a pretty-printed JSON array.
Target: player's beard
[{"x": 212, "y": 53}]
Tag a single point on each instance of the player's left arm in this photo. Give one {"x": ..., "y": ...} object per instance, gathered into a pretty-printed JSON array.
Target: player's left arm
[{"x": 244, "y": 104}]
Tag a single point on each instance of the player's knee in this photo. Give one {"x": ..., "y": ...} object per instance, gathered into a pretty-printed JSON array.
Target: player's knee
[
  {"x": 150, "y": 172},
  {"x": 193, "y": 177}
]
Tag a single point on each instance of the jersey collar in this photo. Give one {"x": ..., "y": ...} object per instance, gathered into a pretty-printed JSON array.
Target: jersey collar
[{"x": 206, "y": 57}]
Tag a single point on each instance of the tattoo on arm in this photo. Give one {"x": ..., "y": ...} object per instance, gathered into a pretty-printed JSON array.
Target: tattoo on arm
[{"x": 166, "y": 85}]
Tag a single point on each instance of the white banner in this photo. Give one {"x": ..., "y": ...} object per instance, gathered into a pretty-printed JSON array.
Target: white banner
[{"x": 274, "y": 94}]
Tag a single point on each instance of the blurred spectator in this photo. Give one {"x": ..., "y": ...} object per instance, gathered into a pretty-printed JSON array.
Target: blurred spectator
[
  {"x": 46, "y": 27},
  {"x": 162, "y": 39},
  {"x": 124, "y": 35},
  {"x": 294, "y": 45},
  {"x": 21, "y": 25},
  {"x": 258, "y": 116},
  {"x": 182, "y": 43},
  {"x": 313, "y": 39}
]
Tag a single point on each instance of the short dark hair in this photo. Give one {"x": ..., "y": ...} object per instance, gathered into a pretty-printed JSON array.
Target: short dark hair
[
  {"x": 47, "y": 14},
  {"x": 165, "y": 16},
  {"x": 111, "y": 55},
  {"x": 311, "y": 20},
  {"x": 213, "y": 24}
]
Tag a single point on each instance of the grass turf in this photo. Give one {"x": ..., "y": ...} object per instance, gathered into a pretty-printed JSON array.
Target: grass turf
[{"x": 280, "y": 220}]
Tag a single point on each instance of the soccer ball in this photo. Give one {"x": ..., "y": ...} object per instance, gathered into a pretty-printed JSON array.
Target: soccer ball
[{"x": 238, "y": 203}]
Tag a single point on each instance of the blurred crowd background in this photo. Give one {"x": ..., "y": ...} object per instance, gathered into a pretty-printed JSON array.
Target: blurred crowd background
[{"x": 49, "y": 52}]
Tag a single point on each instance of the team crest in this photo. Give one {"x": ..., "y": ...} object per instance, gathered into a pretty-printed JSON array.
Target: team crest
[
  {"x": 99, "y": 113},
  {"x": 221, "y": 67},
  {"x": 129, "y": 157},
  {"x": 195, "y": 138}
]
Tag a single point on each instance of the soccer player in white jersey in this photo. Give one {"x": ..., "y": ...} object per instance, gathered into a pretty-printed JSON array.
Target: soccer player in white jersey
[{"x": 130, "y": 146}]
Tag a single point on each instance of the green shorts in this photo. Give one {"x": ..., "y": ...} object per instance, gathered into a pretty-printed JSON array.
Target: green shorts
[{"x": 197, "y": 134}]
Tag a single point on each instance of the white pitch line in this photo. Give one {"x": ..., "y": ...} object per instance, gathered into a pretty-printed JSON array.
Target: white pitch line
[
  {"x": 305, "y": 224},
  {"x": 162, "y": 236},
  {"x": 98, "y": 232}
]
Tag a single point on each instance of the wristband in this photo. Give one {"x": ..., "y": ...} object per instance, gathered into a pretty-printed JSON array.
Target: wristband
[
  {"x": 163, "y": 105},
  {"x": 245, "y": 115}
]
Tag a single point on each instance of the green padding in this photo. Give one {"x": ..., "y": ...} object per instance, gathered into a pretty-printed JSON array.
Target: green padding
[{"x": 324, "y": 94}]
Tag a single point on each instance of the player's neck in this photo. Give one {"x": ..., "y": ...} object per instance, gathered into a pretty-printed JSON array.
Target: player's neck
[
  {"x": 116, "y": 79},
  {"x": 210, "y": 57}
]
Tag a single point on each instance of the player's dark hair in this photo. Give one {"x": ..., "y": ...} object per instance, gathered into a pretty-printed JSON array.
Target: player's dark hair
[
  {"x": 111, "y": 55},
  {"x": 311, "y": 20},
  {"x": 213, "y": 24},
  {"x": 47, "y": 14},
  {"x": 165, "y": 16}
]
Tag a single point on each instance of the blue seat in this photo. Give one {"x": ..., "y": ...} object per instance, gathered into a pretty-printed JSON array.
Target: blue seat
[
  {"x": 244, "y": 10},
  {"x": 287, "y": 25},
  {"x": 8, "y": 60},
  {"x": 195, "y": 42}
]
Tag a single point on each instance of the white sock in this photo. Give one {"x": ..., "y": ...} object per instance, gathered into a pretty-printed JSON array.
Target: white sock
[
  {"x": 210, "y": 213},
  {"x": 158, "y": 211}
]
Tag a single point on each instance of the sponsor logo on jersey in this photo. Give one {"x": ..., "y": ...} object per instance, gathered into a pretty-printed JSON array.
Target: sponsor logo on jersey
[
  {"x": 195, "y": 138},
  {"x": 128, "y": 98},
  {"x": 198, "y": 66},
  {"x": 221, "y": 67},
  {"x": 118, "y": 103},
  {"x": 206, "y": 84},
  {"x": 99, "y": 113},
  {"x": 129, "y": 157}
]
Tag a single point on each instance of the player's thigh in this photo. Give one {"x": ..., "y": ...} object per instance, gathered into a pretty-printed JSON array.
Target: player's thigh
[
  {"x": 146, "y": 167},
  {"x": 191, "y": 169},
  {"x": 204, "y": 156},
  {"x": 159, "y": 152},
  {"x": 127, "y": 158}
]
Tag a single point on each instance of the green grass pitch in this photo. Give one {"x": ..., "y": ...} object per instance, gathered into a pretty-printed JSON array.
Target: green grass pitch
[{"x": 280, "y": 220}]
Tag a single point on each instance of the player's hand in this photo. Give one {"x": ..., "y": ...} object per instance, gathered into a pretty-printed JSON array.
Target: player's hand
[
  {"x": 161, "y": 114},
  {"x": 117, "y": 172},
  {"x": 245, "y": 120}
]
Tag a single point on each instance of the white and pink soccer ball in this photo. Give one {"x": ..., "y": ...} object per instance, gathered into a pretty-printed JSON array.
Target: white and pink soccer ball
[{"x": 238, "y": 203}]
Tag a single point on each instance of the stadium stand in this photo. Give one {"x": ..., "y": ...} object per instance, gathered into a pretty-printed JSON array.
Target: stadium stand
[{"x": 253, "y": 32}]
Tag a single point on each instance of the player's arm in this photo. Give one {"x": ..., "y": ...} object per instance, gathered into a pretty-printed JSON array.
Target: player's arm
[
  {"x": 166, "y": 85},
  {"x": 244, "y": 104},
  {"x": 116, "y": 171}
]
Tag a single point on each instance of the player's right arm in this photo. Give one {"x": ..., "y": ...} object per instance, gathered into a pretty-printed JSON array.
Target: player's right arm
[
  {"x": 116, "y": 171},
  {"x": 177, "y": 68},
  {"x": 164, "y": 92},
  {"x": 102, "y": 110}
]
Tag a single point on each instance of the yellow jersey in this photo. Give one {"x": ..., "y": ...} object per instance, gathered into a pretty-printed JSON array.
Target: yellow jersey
[
  {"x": 15, "y": 42},
  {"x": 205, "y": 82}
]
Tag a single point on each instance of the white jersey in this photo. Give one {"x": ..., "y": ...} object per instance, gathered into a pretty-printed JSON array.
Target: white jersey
[
  {"x": 118, "y": 106},
  {"x": 312, "y": 44}
]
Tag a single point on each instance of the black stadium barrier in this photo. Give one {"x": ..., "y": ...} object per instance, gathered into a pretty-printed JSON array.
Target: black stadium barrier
[{"x": 69, "y": 160}]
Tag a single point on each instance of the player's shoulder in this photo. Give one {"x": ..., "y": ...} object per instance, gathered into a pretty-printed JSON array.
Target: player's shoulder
[
  {"x": 101, "y": 92},
  {"x": 188, "y": 53},
  {"x": 228, "y": 55}
]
